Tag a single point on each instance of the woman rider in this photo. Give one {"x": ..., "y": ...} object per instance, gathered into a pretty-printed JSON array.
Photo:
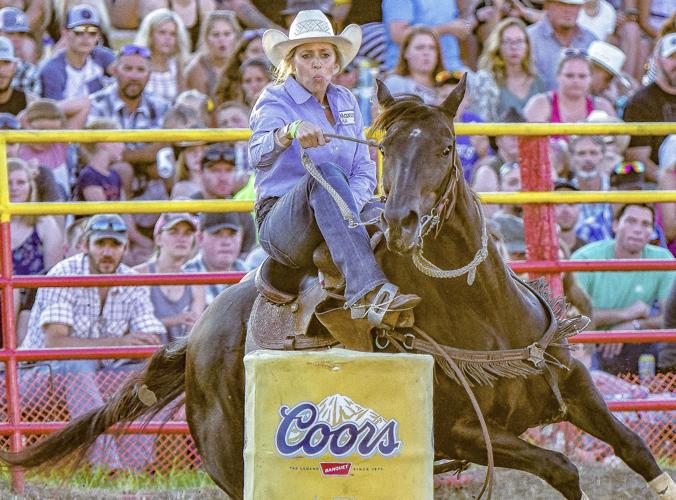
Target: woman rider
[{"x": 293, "y": 211}]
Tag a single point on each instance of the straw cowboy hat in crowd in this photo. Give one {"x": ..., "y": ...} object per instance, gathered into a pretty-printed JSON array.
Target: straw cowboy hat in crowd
[
  {"x": 610, "y": 58},
  {"x": 311, "y": 26}
]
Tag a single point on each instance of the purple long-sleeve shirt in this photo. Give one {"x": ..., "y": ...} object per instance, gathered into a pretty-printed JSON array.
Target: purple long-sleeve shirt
[{"x": 278, "y": 168}]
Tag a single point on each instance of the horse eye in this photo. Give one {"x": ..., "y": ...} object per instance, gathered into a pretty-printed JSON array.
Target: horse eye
[
  {"x": 382, "y": 149},
  {"x": 446, "y": 152}
]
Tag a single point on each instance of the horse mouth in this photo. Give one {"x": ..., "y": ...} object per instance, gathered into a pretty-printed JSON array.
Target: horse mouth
[{"x": 399, "y": 243}]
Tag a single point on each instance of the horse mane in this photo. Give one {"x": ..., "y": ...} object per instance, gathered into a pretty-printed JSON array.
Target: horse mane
[{"x": 408, "y": 107}]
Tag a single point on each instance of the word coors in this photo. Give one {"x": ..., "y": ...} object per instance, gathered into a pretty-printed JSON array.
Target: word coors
[{"x": 301, "y": 433}]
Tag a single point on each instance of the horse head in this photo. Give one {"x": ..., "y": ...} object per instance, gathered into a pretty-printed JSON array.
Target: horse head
[{"x": 420, "y": 165}]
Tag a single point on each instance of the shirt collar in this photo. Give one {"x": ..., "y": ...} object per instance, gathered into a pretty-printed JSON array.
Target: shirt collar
[
  {"x": 118, "y": 104},
  {"x": 299, "y": 94},
  {"x": 547, "y": 28}
]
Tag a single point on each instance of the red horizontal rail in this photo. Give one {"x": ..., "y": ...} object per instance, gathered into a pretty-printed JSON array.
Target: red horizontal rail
[
  {"x": 554, "y": 266},
  {"x": 122, "y": 352},
  {"x": 624, "y": 336},
  {"x": 124, "y": 280},
  {"x": 139, "y": 352},
  {"x": 235, "y": 277},
  {"x": 642, "y": 405},
  {"x": 133, "y": 428}
]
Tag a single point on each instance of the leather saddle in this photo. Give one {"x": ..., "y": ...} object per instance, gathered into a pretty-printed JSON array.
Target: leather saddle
[{"x": 312, "y": 318}]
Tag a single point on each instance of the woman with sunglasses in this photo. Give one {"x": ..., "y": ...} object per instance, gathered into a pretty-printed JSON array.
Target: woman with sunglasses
[
  {"x": 164, "y": 34},
  {"x": 218, "y": 39},
  {"x": 572, "y": 102},
  {"x": 292, "y": 117}
]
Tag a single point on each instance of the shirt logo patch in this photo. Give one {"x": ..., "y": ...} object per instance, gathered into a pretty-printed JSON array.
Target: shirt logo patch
[{"x": 346, "y": 117}]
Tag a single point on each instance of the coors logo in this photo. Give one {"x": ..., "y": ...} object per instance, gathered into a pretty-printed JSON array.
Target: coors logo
[{"x": 337, "y": 425}]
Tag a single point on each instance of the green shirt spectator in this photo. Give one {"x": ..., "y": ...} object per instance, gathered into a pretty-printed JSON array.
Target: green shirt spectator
[{"x": 626, "y": 300}]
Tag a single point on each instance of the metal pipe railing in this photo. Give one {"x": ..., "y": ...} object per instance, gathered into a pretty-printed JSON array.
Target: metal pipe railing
[{"x": 15, "y": 428}]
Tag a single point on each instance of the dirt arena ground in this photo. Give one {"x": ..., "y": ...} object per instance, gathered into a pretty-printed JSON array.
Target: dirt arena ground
[{"x": 599, "y": 482}]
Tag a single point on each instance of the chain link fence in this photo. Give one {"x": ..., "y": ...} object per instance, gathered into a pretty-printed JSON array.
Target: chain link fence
[{"x": 45, "y": 398}]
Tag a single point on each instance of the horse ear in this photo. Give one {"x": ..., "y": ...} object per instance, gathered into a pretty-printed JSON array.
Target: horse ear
[
  {"x": 384, "y": 96},
  {"x": 452, "y": 102}
]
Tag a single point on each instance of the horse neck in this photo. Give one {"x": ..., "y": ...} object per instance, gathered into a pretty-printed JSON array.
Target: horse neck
[{"x": 467, "y": 306}]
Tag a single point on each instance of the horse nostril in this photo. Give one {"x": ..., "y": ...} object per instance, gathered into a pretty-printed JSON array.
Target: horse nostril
[{"x": 410, "y": 221}]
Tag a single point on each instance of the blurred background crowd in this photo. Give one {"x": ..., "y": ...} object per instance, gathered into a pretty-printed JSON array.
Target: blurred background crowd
[{"x": 144, "y": 64}]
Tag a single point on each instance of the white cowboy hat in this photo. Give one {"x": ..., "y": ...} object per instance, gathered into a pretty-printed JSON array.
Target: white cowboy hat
[
  {"x": 609, "y": 58},
  {"x": 311, "y": 26}
]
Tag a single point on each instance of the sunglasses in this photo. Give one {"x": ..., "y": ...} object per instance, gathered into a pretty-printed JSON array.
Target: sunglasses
[
  {"x": 135, "y": 50},
  {"x": 507, "y": 168},
  {"x": 81, "y": 30},
  {"x": 8, "y": 121},
  {"x": 573, "y": 52},
  {"x": 114, "y": 225},
  {"x": 213, "y": 155},
  {"x": 627, "y": 168}
]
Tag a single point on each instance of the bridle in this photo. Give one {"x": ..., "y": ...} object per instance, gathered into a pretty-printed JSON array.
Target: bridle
[{"x": 434, "y": 221}]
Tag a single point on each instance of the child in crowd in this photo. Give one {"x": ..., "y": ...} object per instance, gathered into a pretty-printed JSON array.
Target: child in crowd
[
  {"x": 44, "y": 114},
  {"x": 98, "y": 181}
]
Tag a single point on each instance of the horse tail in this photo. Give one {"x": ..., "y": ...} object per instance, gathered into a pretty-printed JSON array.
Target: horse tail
[{"x": 145, "y": 393}]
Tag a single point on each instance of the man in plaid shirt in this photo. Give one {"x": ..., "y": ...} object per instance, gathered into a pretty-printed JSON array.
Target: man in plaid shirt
[{"x": 92, "y": 317}]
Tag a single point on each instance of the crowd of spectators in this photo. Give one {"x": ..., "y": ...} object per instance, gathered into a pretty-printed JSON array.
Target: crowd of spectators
[{"x": 149, "y": 64}]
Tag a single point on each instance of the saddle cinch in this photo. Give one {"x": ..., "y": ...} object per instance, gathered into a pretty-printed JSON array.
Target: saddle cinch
[{"x": 315, "y": 318}]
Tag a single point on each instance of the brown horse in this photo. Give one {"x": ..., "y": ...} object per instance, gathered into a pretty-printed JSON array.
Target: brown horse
[{"x": 485, "y": 308}]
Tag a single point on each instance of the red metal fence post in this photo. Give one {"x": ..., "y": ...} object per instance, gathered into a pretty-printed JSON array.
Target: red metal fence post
[
  {"x": 8, "y": 323},
  {"x": 542, "y": 242}
]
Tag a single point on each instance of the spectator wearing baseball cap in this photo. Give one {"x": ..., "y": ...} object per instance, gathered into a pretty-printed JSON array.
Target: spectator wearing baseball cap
[
  {"x": 221, "y": 180},
  {"x": 220, "y": 248},
  {"x": 655, "y": 102},
  {"x": 177, "y": 307},
  {"x": 95, "y": 317},
  {"x": 82, "y": 68},
  {"x": 556, "y": 30},
  {"x": 14, "y": 26},
  {"x": 567, "y": 217},
  {"x": 12, "y": 101}
]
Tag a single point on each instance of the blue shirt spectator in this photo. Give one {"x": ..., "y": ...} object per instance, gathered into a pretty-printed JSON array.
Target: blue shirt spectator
[
  {"x": 439, "y": 14},
  {"x": 81, "y": 69},
  {"x": 14, "y": 26},
  {"x": 556, "y": 30}
]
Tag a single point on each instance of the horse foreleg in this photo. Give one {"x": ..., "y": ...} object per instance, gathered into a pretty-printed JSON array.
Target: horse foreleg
[
  {"x": 588, "y": 411},
  {"x": 466, "y": 442},
  {"x": 215, "y": 386}
]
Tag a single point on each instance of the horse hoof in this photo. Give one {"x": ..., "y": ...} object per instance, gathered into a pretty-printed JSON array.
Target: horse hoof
[{"x": 663, "y": 486}]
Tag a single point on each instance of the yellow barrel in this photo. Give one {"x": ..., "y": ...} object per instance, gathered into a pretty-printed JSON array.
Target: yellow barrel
[{"x": 338, "y": 425}]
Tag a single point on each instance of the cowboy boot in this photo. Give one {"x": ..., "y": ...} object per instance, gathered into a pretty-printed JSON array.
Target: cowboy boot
[{"x": 386, "y": 308}]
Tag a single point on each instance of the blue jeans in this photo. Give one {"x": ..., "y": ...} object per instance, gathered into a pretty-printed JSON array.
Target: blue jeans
[{"x": 306, "y": 215}]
